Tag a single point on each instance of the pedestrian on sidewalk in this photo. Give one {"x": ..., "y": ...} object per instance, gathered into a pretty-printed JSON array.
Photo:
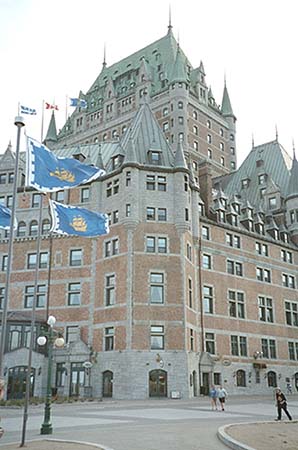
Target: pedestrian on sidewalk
[
  {"x": 222, "y": 395},
  {"x": 289, "y": 388},
  {"x": 281, "y": 403},
  {"x": 213, "y": 395}
]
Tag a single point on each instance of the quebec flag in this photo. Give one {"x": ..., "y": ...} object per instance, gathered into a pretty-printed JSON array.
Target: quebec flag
[
  {"x": 75, "y": 221},
  {"x": 48, "y": 173},
  {"x": 78, "y": 102},
  {"x": 5, "y": 217}
]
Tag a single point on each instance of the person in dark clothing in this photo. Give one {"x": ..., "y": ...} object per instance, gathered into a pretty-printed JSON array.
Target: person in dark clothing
[{"x": 281, "y": 403}]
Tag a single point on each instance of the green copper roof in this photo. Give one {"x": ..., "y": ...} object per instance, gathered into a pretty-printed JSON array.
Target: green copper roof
[
  {"x": 52, "y": 130},
  {"x": 226, "y": 107},
  {"x": 179, "y": 73},
  {"x": 293, "y": 182},
  {"x": 276, "y": 164}
]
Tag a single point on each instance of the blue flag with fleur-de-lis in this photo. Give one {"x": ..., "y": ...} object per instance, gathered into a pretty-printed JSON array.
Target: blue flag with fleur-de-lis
[
  {"x": 75, "y": 221},
  {"x": 47, "y": 172},
  {"x": 5, "y": 217}
]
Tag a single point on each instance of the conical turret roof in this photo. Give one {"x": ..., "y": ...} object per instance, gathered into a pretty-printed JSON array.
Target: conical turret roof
[
  {"x": 226, "y": 107},
  {"x": 52, "y": 130},
  {"x": 293, "y": 181}
]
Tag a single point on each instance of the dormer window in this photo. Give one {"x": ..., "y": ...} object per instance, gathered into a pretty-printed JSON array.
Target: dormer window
[
  {"x": 245, "y": 183},
  {"x": 155, "y": 158},
  {"x": 116, "y": 161},
  {"x": 262, "y": 178},
  {"x": 272, "y": 202}
]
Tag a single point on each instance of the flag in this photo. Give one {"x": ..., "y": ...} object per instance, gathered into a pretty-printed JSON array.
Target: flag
[
  {"x": 5, "y": 217},
  {"x": 48, "y": 173},
  {"x": 78, "y": 102},
  {"x": 49, "y": 106},
  {"x": 26, "y": 110},
  {"x": 75, "y": 221}
]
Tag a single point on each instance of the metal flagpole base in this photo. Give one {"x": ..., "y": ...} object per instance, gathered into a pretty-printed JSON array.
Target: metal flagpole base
[{"x": 46, "y": 428}]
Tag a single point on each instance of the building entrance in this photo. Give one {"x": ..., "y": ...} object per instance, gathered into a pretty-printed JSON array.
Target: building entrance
[
  {"x": 107, "y": 384},
  {"x": 158, "y": 383},
  {"x": 16, "y": 387}
]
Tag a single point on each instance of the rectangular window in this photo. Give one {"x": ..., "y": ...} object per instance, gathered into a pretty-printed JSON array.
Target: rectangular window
[
  {"x": 2, "y": 178},
  {"x": 74, "y": 294},
  {"x": 238, "y": 345},
  {"x": 291, "y": 312},
  {"x": 109, "y": 189},
  {"x": 190, "y": 294},
  {"x": 111, "y": 248},
  {"x": 115, "y": 216},
  {"x": 234, "y": 268},
  {"x": 40, "y": 296},
  {"x": 205, "y": 233},
  {"x": 268, "y": 348},
  {"x": 210, "y": 343},
  {"x": 208, "y": 299},
  {"x": 233, "y": 240},
  {"x": 4, "y": 263},
  {"x": 150, "y": 213},
  {"x": 76, "y": 257},
  {"x": 287, "y": 256},
  {"x": 206, "y": 261},
  {"x": 59, "y": 196},
  {"x": 110, "y": 285},
  {"x": 161, "y": 214},
  {"x": 157, "y": 337},
  {"x": 191, "y": 339},
  {"x": 127, "y": 210},
  {"x": 288, "y": 281},
  {"x": 161, "y": 183},
  {"x": 36, "y": 198},
  {"x": 293, "y": 350},
  {"x": 72, "y": 333},
  {"x": 128, "y": 178},
  {"x": 157, "y": 288},
  {"x": 236, "y": 304},
  {"x": 60, "y": 374},
  {"x": 263, "y": 274},
  {"x": 262, "y": 249},
  {"x": 150, "y": 182},
  {"x": 116, "y": 186},
  {"x": 265, "y": 309},
  {"x": 85, "y": 195},
  {"x": 109, "y": 339},
  {"x": 154, "y": 158}
]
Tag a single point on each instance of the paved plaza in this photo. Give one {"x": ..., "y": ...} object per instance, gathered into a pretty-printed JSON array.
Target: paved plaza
[{"x": 143, "y": 425}]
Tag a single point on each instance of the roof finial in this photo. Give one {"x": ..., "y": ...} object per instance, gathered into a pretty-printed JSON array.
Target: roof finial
[
  {"x": 170, "y": 20},
  {"x": 276, "y": 133},
  {"x": 294, "y": 151},
  {"x": 252, "y": 141},
  {"x": 104, "y": 64},
  {"x": 225, "y": 79}
]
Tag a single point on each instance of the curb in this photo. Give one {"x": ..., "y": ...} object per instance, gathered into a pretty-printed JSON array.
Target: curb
[
  {"x": 229, "y": 441},
  {"x": 90, "y": 444}
]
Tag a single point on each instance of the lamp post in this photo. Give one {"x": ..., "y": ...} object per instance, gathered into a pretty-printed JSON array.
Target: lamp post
[{"x": 51, "y": 340}]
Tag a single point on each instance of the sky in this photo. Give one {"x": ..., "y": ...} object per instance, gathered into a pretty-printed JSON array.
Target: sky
[{"x": 51, "y": 49}]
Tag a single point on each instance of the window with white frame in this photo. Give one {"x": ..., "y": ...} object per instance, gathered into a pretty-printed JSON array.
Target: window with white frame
[
  {"x": 206, "y": 261},
  {"x": 74, "y": 294},
  {"x": 110, "y": 288},
  {"x": 109, "y": 334},
  {"x": 157, "y": 337},
  {"x": 268, "y": 348},
  {"x": 76, "y": 257},
  {"x": 238, "y": 345},
  {"x": 263, "y": 274},
  {"x": 205, "y": 232},
  {"x": 157, "y": 288},
  {"x": 40, "y": 296},
  {"x": 293, "y": 350},
  {"x": 233, "y": 240},
  {"x": 208, "y": 301},
  {"x": 262, "y": 249},
  {"x": 288, "y": 281},
  {"x": 234, "y": 268},
  {"x": 265, "y": 309},
  {"x": 190, "y": 293},
  {"x": 291, "y": 313},
  {"x": 85, "y": 195},
  {"x": 236, "y": 304},
  {"x": 210, "y": 343},
  {"x": 286, "y": 256}
]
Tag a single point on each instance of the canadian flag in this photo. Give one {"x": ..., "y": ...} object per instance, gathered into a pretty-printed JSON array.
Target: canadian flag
[{"x": 49, "y": 106}]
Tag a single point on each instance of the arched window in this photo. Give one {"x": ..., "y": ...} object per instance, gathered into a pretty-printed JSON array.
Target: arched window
[
  {"x": 271, "y": 378},
  {"x": 21, "y": 229},
  {"x": 241, "y": 378},
  {"x": 33, "y": 229},
  {"x": 45, "y": 226}
]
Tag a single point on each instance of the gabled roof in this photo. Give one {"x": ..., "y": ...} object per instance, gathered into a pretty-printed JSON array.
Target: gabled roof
[
  {"x": 292, "y": 189},
  {"x": 147, "y": 136},
  {"x": 277, "y": 163}
]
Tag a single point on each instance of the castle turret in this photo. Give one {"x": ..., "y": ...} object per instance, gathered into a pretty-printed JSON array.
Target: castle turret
[
  {"x": 51, "y": 136},
  {"x": 227, "y": 112},
  {"x": 291, "y": 201}
]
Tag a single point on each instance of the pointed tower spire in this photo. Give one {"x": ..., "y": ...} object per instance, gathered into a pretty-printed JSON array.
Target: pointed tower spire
[
  {"x": 170, "y": 21},
  {"x": 294, "y": 151},
  {"x": 179, "y": 73},
  {"x": 179, "y": 157},
  {"x": 252, "y": 141},
  {"x": 99, "y": 161},
  {"x": 130, "y": 151},
  {"x": 51, "y": 136},
  {"x": 226, "y": 107},
  {"x": 104, "y": 63}
]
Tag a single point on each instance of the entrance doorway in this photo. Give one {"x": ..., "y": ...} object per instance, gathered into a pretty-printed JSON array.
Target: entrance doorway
[
  {"x": 17, "y": 378},
  {"x": 107, "y": 384},
  {"x": 205, "y": 383},
  {"x": 77, "y": 380},
  {"x": 158, "y": 383}
]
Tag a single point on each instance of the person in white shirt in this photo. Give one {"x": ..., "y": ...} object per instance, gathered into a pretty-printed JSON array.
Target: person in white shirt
[{"x": 222, "y": 394}]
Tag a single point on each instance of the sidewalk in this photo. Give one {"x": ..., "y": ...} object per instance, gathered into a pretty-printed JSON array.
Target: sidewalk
[
  {"x": 260, "y": 436},
  {"x": 54, "y": 444}
]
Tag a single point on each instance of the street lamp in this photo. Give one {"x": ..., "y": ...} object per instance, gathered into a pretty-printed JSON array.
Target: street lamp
[{"x": 51, "y": 340}]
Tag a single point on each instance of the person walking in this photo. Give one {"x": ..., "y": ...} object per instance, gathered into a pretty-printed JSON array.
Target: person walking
[
  {"x": 289, "y": 388},
  {"x": 281, "y": 403},
  {"x": 213, "y": 395},
  {"x": 222, "y": 395}
]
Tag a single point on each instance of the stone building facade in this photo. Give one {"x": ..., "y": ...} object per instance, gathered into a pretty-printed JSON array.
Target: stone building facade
[{"x": 196, "y": 282}]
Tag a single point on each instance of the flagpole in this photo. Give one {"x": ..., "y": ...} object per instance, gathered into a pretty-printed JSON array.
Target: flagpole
[
  {"x": 32, "y": 335},
  {"x": 42, "y": 121},
  {"x": 19, "y": 122}
]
